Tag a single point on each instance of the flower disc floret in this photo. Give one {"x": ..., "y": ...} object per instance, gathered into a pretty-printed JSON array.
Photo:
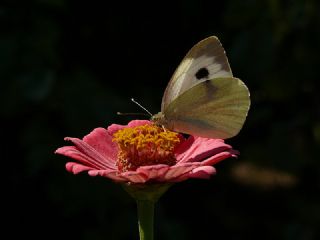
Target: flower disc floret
[{"x": 145, "y": 145}]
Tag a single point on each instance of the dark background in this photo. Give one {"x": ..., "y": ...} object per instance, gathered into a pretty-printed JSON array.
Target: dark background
[{"x": 67, "y": 67}]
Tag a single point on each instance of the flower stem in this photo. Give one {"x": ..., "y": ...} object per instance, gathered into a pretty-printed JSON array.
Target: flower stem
[
  {"x": 146, "y": 196},
  {"x": 145, "y": 218}
]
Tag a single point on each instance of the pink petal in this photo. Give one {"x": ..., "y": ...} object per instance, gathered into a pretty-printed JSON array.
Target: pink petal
[
  {"x": 95, "y": 157},
  {"x": 73, "y": 152},
  {"x": 103, "y": 173},
  {"x": 200, "y": 149},
  {"x": 183, "y": 147},
  {"x": 135, "y": 177},
  {"x": 76, "y": 168},
  {"x": 217, "y": 158},
  {"x": 203, "y": 172},
  {"x": 102, "y": 142},
  {"x": 154, "y": 171},
  {"x": 136, "y": 123},
  {"x": 116, "y": 127},
  {"x": 108, "y": 174},
  {"x": 178, "y": 170}
]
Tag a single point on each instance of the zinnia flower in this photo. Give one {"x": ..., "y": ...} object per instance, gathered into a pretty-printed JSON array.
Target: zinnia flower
[
  {"x": 146, "y": 159},
  {"x": 142, "y": 152}
]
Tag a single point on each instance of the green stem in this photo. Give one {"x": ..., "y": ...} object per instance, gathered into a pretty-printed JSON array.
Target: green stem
[
  {"x": 145, "y": 218},
  {"x": 146, "y": 195}
]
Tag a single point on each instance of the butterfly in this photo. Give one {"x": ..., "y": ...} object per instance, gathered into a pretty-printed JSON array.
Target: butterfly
[{"x": 203, "y": 98}]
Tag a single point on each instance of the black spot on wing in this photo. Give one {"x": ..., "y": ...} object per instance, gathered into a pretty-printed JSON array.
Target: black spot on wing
[{"x": 202, "y": 73}]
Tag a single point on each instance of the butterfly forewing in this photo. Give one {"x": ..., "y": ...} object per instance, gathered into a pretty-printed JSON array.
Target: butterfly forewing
[
  {"x": 206, "y": 60},
  {"x": 215, "y": 108}
]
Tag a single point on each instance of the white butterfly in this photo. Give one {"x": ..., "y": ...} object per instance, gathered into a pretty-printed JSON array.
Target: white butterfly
[{"x": 203, "y": 98}]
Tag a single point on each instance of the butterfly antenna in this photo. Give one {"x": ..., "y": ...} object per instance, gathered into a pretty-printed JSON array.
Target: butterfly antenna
[
  {"x": 130, "y": 114},
  {"x": 132, "y": 99}
]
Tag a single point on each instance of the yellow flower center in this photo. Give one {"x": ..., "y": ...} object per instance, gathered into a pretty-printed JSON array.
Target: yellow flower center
[{"x": 145, "y": 145}]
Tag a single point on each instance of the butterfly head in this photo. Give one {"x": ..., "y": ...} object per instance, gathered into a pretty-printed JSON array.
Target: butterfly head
[{"x": 159, "y": 119}]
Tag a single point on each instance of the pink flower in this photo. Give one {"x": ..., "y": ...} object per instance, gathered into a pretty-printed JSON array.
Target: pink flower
[{"x": 143, "y": 152}]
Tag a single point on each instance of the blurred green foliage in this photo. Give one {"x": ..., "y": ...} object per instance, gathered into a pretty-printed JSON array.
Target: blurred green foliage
[{"x": 67, "y": 67}]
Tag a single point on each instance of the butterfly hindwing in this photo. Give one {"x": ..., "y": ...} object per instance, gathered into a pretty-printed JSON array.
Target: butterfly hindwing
[
  {"x": 215, "y": 108},
  {"x": 206, "y": 60}
]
